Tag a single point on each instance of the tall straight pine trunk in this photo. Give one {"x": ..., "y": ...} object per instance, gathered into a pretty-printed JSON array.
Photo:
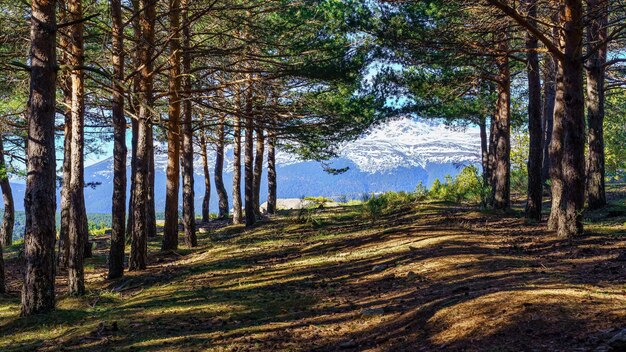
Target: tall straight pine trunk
[
  {"x": 549, "y": 95},
  {"x": 484, "y": 149},
  {"x": 258, "y": 168},
  {"x": 567, "y": 147},
  {"x": 237, "y": 211},
  {"x": 501, "y": 172},
  {"x": 134, "y": 108},
  {"x": 40, "y": 197},
  {"x": 65, "y": 85},
  {"x": 271, "y": 171},
  {"x": 170, "y": 229},
  {"x": 151, "y": 205},
  {"x": 206, "y": 199},
  {"x": 491, "y": 154},
  {"x": 595, "y": 69},
  {"x": 8, "y": 219},
  {"x": 189, "y": 211},
  {"x": 77, "y": 235},
  {"x": 118, "y": 210},
  {"x": 138, "y": 249},
  {"x": 250, "y": 216},
  {"x": 535, "y": 130},
  {"x": 6, "y": 232}
]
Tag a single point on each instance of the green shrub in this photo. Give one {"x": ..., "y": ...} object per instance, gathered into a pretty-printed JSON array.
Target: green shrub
[
  {"x": 467, "y": 186},
  {"x": 379, "y": 205},
  {"x": 421, "y": 192},
  {"x": 373, "y": 208},
  {"x": 306, "y": 216}
]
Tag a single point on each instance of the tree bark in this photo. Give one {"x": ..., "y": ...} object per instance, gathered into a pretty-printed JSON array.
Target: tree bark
[
  {"x": 207, "y": 180},
  {"x": 567, "y": 149},
  {"x": 189, "y": 212},
  {"x": 237, "y": 211},
  {"x": 492, "y": 155},
  {"x": 250, "y": 216},
  {"x": 271, "y": 172},
  {"x": 170, "y": 229},
  {"x": 222, "y": 195},
  {"x": 596, "y": 33},
  {"x": 258, "y": 169},
  {"x": 549, "y": 95},
  {"x": 502, "y": 129},
  {"x": 151, "y": 206},
  {"x": 40, "y": 197},
  {"x": 66, "y": 89},
  {"x": 136, "y": 26},
  {"x": 134, "y": 125},
  {"x": 556, "y": 151},
  {"x": 484, "y": 149},
  {"x": 535, "y": 131},
  {"x": 77, "y": 235},
  {"x": 138, "y": 249},
  {"x": 6, "y": 234},
  {"x": 8, "y": 220},
  {"x": 118, "y": 210}
]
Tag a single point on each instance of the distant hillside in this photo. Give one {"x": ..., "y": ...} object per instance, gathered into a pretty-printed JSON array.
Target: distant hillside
[{"x": 394, "y": 156}]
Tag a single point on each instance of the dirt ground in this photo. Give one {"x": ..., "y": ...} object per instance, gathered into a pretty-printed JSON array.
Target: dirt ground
[{"x": 425, "y": 277}]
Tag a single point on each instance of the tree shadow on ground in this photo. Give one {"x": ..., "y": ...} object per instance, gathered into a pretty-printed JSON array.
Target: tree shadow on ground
[{"x": 439, "y": 278}]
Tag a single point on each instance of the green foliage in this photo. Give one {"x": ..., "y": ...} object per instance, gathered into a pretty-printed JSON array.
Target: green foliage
[
  {"x": 374, "y": 207},
  {"x": 421, "y": 192},
  {"x": 467, "y": 186},
  {"x": 520, "y": 142},
  {"x": 615, "y": 136},
  {"x": 378, "y": 205},
  {"x": 306, "y": 216}
]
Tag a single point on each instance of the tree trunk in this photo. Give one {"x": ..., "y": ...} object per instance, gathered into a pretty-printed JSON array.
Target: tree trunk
[
  {"x": 170, "y": 229},
  {"x": 133, "y": 121},
  {"x": 492, "y": 155},
  {"x": 138, "y": 249},
  {"x": 258, "y": 169},
  {"x": 222, "y": 195},
  {"x": 134, "y": 125},
  {"x": 502, "y": 129},
  {"x": 535, "y": 131},
  {"x": 118, "y": 211},
  {"x": 40, "y": 197},
  {"x": 549, "y": 95},
  {"x": 596, "y": 33},
  {"x": 66, "y": 89},
  {"x": 567, "y": 150},
  {"x": 151, "y": 206},
  {"x": 207, "y": 179},
  {"x": 556, "y": 151},
  {"x": 484, "y": 149},
  {"x": 237, "y": 212},
  {"x": 77, "y": 236},
  {"x": 271, "y": 172},
  {"x": 189, "y": 212},
  {"x": 6, "y": 234},
  {"x": 8, "y": 220},
  {"x": 249, "y": 162}
]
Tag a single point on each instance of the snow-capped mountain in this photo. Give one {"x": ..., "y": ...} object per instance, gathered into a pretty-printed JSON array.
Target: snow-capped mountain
[
  {"x": 406, "y": 143},
  {"x": 395, "y": 155}
]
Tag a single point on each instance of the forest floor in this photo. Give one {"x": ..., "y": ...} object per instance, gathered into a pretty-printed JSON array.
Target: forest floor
[{"x": 427, "y": 276}]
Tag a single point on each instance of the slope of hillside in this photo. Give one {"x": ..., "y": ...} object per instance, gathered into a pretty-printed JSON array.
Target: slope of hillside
[{"x": 425, "y": 277}]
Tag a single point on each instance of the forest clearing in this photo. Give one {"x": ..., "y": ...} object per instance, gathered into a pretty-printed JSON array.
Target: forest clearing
[{"x": 424, "y": 276}]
